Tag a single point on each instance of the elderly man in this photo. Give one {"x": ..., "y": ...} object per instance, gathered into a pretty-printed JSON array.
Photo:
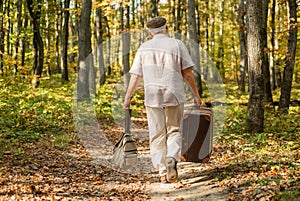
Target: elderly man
[{"x": 164, "y": 63}]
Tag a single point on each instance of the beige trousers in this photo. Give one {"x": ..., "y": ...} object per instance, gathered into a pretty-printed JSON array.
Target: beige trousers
[{"x": 165, "y": 134}]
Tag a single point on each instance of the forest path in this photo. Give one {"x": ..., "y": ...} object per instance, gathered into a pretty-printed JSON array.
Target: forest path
[
  {"x": 196, "y": 181},
  {"x": 48, "y": 173},
  {"x": 83, "y": 171},
  {"x": 195, "y": 184}
]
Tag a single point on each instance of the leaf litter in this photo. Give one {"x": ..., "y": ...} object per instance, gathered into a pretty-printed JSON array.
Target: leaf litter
[{"x": 239, "y": 168}]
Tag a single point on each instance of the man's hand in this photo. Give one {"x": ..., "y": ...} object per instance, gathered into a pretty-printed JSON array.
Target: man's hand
[
  {"x": 126, "y": 104},
  {"x": 198, "y": 101}
]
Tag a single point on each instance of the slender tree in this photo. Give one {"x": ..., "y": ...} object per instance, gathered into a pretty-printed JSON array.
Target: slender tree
[
  {"x": 48, "y": 38},
  {"x": 84, "y": 50},
  {"x": 73, "y": 43},
  {"x": 213, "y": 28},
  {"x": 178, "y": 19},
  {"x": 286, "y": 84},
  {"x": 9, "y": 29},
  {"x": 206, "y": 19},
  {"x": 64, "y": 41},
  {"x": 268, "y": 92},
  {"x": 154, "y": 9},
  {"x": 220, "y": 60},
  {"x": 133, "y": 13},
  {"x": 38, "y": 43},
  {"x": 19, "y": 28},
  {"x": 24, "y": 38},
  {"x": 272, "y": 55},
  {"x": 126, "y": 43},
  {"x": 58, "y": 16},
  {"x": 1, "y": 38},
  {"x": 194, "y": 43},
  {"x": 109, "y": 46},
  {"x": 99, "y": 26},
  {"x": 255, "y": 48},
  {"x": 242, "y": 38},
  {"x": 173, "y": 15}
]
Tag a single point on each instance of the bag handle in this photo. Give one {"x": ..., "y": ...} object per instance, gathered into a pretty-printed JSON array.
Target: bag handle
[{"x": 127, "y": 120}]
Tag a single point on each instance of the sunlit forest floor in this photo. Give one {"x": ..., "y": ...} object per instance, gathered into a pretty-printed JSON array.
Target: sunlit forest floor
[{"x": 43, "y": 158}]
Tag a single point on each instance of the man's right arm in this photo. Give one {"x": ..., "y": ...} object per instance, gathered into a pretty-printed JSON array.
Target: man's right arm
[{"x": 133, "y": 83}]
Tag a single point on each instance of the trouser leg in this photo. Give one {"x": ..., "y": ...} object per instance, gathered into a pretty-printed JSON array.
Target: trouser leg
[
  {"x": 157, "y": 137},
  {"x": 174, "y": 115},
  {"x": 164, "y": 134}
]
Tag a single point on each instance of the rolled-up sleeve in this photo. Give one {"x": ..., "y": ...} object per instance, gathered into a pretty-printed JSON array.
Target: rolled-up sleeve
[
  {"x": 136, "y": 67},
  {"x": 186, "y": 60}
]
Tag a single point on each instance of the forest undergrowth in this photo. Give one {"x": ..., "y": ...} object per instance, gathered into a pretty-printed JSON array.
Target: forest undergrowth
[{"x": 36, "y": 127}]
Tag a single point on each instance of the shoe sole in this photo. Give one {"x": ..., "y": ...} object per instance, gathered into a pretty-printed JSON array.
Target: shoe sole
[{"x": 172, "y": 175}]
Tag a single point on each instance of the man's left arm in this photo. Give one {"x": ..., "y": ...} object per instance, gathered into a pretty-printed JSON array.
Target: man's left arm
[{"x": 189, "y": 78}]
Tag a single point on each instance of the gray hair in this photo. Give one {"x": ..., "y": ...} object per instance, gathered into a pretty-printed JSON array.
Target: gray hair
[{"x": 158, "y": 29}]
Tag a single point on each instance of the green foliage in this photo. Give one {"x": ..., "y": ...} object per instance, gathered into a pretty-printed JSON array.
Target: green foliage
[
  {"x": 287, "y": 195},
  {"x": 29, "y": 114},
  {"x": 263, "y": 164}
]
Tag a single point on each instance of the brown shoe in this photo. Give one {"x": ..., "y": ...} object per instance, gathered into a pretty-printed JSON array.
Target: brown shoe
[
  {"x": 172, "y": 174},
  {"x": 163, "y": 179}
]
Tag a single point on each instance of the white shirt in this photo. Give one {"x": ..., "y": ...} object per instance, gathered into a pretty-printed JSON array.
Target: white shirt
[{"x": 160, "y": 62}]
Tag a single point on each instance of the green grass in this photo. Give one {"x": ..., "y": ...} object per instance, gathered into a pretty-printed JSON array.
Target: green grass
[{"x": 28, "y": 114}]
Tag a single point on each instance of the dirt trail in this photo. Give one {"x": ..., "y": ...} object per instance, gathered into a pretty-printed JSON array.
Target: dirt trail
[
  {"x": 194, "y": 185},
  {"x": 46, "y": 173},
  {"x": 83, "y": 172}
]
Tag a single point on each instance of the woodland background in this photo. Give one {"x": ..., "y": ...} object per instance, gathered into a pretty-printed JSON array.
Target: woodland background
[{"x": 45, "y": 53}]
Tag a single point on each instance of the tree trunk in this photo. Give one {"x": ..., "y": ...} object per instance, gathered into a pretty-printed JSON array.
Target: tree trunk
[
  {"x": 173, "y": 11},
  {"x": 142, "y": 17},
  {"x": 193, "y": 43},
  {"x": 64, "y": 41},
  {"x": 74, "y": 22},
  {"x": 84, "y": 50},
  {"x": 108, "y": 47},
  {"x": 73, "y": 43},
  {"x": 206, "y": 35},
  {"x": 255, "y": 38},
  {"x": 24, "y": 41},
  {"x": 220, "y": 61},
  {"x": 133, "y": 12},
  {"x": 272, "y": 55},
  {"x": 296, "y": 74},
  {"x": 286, "y": 84},
  {"x": 154, "y": 9},
  {"x": 268, "y": 92},
  {"x": 210, "y": 71},
  {"x": 19, "y": 28},
  {"x": 177, "y": 28},
  {"x": 48, "y": 39},
  {"x": 57, "y": 37},
  {"x": 37, "y": 39},
  {"x": 126, "y": 45},
  {"x": 205, "y": 68},
  {"x": 1, "y": 39},
  {"x": 243, "y": 52},
  {"x": 9, "y": 27},
  {"x": 100, "y": 45}
]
